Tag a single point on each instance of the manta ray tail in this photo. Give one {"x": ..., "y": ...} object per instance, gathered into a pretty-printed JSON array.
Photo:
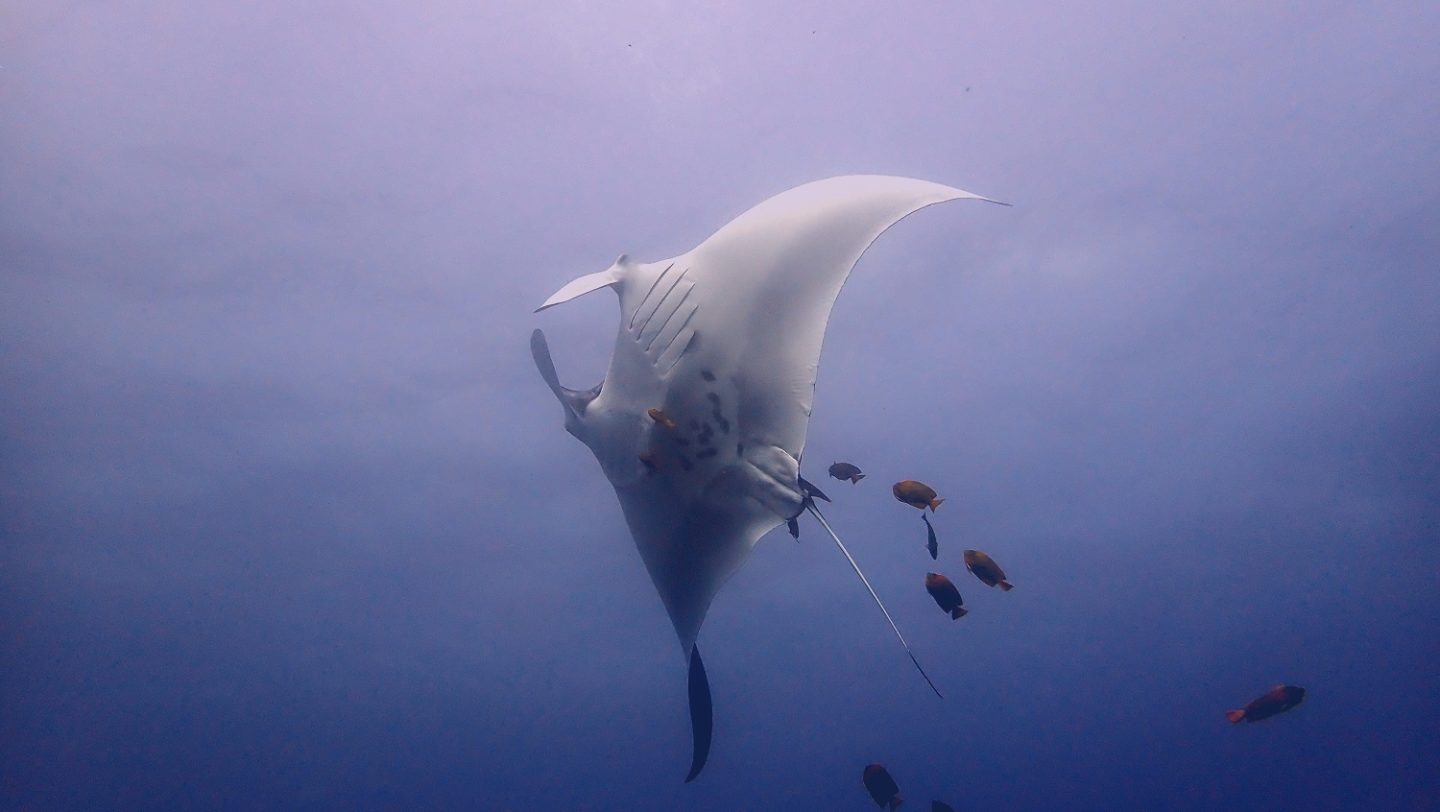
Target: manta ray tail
[
  {"x": 701, "y": 720},
  {"x": 810, "y": 505}
]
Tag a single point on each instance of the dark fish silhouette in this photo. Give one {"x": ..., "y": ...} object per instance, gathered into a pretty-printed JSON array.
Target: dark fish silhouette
[
  {"x": 986, "y": 570},
  {"x": 844, "y": 470},
  {"x": 881, "y": 786},
  {"x": 945, "y": 594},
  {"x": 930, "y": 543},
  {"x": 1277, "y": 700},
  {"x": 916, "y": 494}
]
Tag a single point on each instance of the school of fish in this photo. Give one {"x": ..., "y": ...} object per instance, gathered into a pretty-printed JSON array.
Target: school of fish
[{"x": 878, "y": 782}]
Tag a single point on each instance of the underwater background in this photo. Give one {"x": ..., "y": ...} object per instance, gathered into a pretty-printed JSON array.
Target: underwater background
[{"x": 290, "y": 521}]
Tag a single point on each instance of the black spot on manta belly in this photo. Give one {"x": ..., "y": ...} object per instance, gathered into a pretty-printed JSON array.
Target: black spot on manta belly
[
  {"x": 707, "y": 375},
  {"x": 714, "y": 398},
  {"x": 704, "y": 453}
]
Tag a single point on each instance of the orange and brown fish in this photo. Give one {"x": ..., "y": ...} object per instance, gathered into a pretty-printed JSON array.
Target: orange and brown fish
[
  {"x": 986, "y": 570},
  {"x": 881, "y": 786},
  {"x": 1277, "y": 700},
  {"x": 844, "y": 470},
  {"x": 945, "y": 594},
  {"x": 916, "y": 494},
  {"x": 661, "y": 418}
]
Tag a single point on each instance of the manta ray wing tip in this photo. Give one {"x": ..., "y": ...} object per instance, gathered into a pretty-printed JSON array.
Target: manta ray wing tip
[{"x": 993, "y": 200}]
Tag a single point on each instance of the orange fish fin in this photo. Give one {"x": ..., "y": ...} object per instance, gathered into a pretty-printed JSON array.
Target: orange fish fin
[
  {"x": 935, "y": 504},
  {"x": 1235, "y": 716},
  {"x": 1006, "y": 586}
]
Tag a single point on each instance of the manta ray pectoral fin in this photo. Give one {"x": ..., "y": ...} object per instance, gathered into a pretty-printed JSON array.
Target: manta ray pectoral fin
[{"x": 585, "y": 284}]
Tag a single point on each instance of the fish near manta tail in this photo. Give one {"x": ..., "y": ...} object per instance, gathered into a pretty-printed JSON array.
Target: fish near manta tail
[{"x": 725, "y": 341}]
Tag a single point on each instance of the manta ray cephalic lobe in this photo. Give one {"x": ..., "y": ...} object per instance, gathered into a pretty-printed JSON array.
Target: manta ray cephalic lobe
[{"x": 700, "y": 421}]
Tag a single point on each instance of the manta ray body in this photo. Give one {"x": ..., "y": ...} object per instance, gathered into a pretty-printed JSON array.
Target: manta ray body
[{"x": 700, "y": 421}]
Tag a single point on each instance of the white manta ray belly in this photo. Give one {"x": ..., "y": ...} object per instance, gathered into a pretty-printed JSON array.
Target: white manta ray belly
[{"x": 700, "y": 422}]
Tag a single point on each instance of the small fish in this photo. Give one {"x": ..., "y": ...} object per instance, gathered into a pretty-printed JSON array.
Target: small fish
[
  {"x": 930, "y": 543},
  {"x": 881, "y": 786},
  {"x": 916, "y": 494},
  {"x": 1279, "y": 699},
  {"x": 844, "y": 470},
  {"x": 945, "y": 595},
  {"x": 662, "y": 418},
  {"x": 986, "y": 570},
  {"x": 938, "y": 806}
]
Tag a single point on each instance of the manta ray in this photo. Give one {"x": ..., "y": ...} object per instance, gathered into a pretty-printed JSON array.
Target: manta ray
[{"x": 700, "y": 421}]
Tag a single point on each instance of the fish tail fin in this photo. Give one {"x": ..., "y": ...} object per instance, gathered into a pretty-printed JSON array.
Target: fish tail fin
[
  {"x": 855, "y": 479},
  {"x": 1235, "y": 716},
  {"x": 1006, "y": 586},
  {"x": 814, "y": 511},
  {"x": 702, "y": 719},
  {"x": 958, "y": 612},
  {"x": 935, "y": 504}
]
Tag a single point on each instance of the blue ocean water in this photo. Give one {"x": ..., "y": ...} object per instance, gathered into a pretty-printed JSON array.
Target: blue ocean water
[{"x": 290, "y": 522}]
